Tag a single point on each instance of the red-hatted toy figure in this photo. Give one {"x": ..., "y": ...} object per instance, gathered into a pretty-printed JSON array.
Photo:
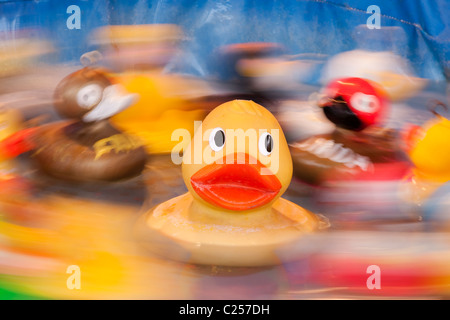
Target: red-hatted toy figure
[{"x": 360, "y": 162}]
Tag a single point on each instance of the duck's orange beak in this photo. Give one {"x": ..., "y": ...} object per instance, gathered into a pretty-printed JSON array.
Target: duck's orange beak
[{"x": 235, "y": 186}]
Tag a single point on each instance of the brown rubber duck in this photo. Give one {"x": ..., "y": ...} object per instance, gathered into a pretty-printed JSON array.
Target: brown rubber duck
[{"x": 87, "y": 147}]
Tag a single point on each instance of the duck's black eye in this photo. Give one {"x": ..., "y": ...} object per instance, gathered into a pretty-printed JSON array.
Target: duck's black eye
[
  {"x": 217, "y": 139},
  {"x": 266, "y": 144}
]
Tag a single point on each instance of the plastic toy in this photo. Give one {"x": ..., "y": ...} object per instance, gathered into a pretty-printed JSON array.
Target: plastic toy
[
  {"x": 357, "y": 149},
  {"x": 377, "y": 57},
  {"x": 137, "y": 56},
  {"x": 232, "y": 213},
  {"x": 246, "y": 65},
  {"x": 163, "y": 106},
  {"x": 261, "y": 71},
  {"x": 137, "y": 47},
  {"x": 352, "y": 162},
  {"x": 427, "y": 147},
  {"x": 88, "y": 147}
]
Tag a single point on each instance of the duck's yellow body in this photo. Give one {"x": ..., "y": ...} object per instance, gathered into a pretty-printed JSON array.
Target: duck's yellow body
[
  {"x": 431, "y": 152},
  {"x": 162, "y": 108}
]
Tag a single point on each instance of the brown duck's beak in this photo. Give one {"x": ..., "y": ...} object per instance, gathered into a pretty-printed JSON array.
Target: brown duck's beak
[{"x": 114, "y": 100}]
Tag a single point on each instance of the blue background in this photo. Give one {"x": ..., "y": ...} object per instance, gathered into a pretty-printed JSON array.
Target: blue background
[{"x": 304, "y": 27}]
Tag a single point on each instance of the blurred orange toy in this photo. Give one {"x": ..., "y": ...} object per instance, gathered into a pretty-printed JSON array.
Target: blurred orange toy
[
  {"x": 137, "y": 55},
  {"x": 232, "y": 214},
  {"x": 14, "y": 140},
  {"x": 10, "y": 123}
]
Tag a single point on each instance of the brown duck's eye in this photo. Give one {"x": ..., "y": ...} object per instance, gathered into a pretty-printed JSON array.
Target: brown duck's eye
[
  {"x": 89, "y": 95},
  {"x": 217, "y": 139},
  {"x": 266, "y": 144}
]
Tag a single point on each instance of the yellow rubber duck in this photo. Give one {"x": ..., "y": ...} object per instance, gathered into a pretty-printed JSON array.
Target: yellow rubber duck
[
  {"x": 137, "y": 55},
  {"x": 429, "y": 150},
  {"x": 159, "y": 111},
  {"x": 236, "y": 168}
]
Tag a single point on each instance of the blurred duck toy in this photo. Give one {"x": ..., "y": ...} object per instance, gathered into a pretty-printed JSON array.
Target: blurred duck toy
[
  {"x": 164, "y": 105},
  {"x": 242, "y": 66},
  {"x": 137, "y": 47},
  {"x": 87, "y": 147},
  {"x": 357, "y": 152},
  {"x": 263, "y": 72},
  {"x": 386, "y": 68},
  {"x": 379, "y": 57},
  {"x": 232, "y": 214},
  {"x": 137, "y": 55},
  {"x": 428, "y": 149}
]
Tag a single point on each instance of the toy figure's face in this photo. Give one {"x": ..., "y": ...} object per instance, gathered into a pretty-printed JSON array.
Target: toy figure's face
[
  {"x": 239, "y": 159},
  {"x": 90, "y": 96},
  {"x": 354, "y": 103}
]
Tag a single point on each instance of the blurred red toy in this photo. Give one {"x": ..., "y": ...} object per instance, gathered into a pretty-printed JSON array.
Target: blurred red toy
[
  {"x": 354, "y": 103},
  {"x": 357, "y": 166}
]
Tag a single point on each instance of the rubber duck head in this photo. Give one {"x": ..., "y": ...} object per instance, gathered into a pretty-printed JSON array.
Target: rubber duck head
[
  {"x": 238, "y": 160},
  {"x": 89, "y": 95},
  {"x": 354, "y": 103}
]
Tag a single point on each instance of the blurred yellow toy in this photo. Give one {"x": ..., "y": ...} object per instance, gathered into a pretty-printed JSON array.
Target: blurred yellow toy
[
  {"x": 232, "y": 214},
  {"x": 126, "y": 48},
  {"x": 137, "y": 55},
  {"x": 72, "y": 236},
  {"x": 429, "y": 150},
  {"x": 162, "y": 108}
]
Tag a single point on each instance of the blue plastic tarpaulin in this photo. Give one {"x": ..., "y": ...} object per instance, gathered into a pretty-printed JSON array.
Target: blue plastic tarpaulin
[{"x": 313, "y": 27}]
